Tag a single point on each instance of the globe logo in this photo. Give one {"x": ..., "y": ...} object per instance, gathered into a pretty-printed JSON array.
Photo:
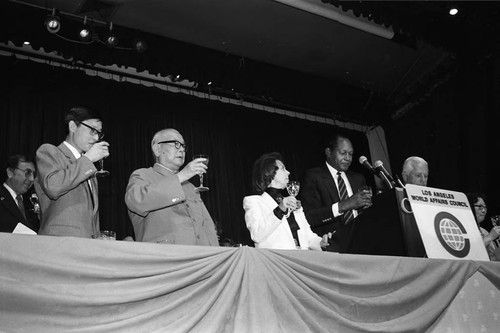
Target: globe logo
[{"x": 452, "y": 235}]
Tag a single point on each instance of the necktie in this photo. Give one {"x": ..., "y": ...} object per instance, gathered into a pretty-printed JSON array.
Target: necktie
[
  {"x": 20, "y": 203},
  {"x": 348, "y": 216}
]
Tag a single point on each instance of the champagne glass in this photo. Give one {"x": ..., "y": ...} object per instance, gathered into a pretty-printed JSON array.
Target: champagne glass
[
  {"x": 201, "y": 188},
  {"x": 293, "y": 188},
  {"x": 102, "y": 172}
]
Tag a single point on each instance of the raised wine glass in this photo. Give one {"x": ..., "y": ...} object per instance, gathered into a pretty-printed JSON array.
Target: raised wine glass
[
  {"x": 293, "y": 188},
  {"x": 201, "y": 188},
  {"x": 102, "y": 172}
]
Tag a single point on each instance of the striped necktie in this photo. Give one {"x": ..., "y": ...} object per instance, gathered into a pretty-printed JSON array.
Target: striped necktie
[
  {"x": 348, "y": 216},
  {"x": 20, "y": 203}
]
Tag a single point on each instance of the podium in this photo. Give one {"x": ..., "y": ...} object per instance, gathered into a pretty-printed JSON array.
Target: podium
[{"x": 385, "y": 228}]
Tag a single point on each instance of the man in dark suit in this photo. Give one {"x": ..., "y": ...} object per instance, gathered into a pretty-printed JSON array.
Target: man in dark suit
[
  {"x": 14, "y": 208},
  {"x": 326, "y": 209}
]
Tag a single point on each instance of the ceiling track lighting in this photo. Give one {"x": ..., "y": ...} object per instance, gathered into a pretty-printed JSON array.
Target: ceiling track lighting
[
  {"x": 110, "y": 38},
  {"x": 85, "y": 33},
  {"x": 53, "y": 23}
]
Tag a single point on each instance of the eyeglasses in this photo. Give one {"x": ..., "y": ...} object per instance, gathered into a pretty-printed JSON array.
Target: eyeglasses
[
  {"x": 28, "y": 172},
  {"x": 94, "y": 131},
  {"x": 177, "y": 144},
  {"x": 481, "y": 207}
]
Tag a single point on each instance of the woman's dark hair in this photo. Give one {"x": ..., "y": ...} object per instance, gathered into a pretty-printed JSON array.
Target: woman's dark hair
[{"x": 263, "y": 171}]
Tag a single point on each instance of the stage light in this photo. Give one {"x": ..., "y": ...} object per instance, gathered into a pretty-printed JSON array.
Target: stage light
[
  {"x": 52, "y": 23},
  {"x": 110, "y": 38},
  {"x": 140, "y": 46},
  {"x": 85, "y": 33}
]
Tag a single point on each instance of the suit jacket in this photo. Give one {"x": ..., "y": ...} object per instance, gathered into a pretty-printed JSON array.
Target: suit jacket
[
  {"x": 318, "y": 194},
  {"x": 69, "y": 207},
  {"x": 10, "y": 215},
  {"x": 163, "y": 210},
  {"x": 267, "y": 231}
]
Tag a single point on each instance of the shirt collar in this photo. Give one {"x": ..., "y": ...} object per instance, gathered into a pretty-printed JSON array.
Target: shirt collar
[
  {"x": 333, "y": 171},
  {"x": 75, "y": 152},
  {"x": 172, "y": 171}
]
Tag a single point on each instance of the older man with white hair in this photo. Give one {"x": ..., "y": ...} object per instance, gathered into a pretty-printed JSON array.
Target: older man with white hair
[
  {"x": 415, "y": 171},
  {"x": 162, "y": 204}
]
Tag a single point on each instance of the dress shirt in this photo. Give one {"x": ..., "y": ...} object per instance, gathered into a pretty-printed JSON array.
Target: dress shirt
[{"x": 335, "y": 206}]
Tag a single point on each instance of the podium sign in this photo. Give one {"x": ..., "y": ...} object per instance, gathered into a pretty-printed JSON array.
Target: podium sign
[{"x": 446, "y": 224}]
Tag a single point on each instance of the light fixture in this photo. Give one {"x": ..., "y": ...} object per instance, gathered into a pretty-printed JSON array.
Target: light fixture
[
  {"x": 453, "y": 11},
  {"x": 110, "y": 38},
  {"x": 85, "y": 33},
  {"x": 139, "y": 45},
  {"x": 53, "y": 23}
]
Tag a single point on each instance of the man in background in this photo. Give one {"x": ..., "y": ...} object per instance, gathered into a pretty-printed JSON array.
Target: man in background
[
  {"x": 66, "y": 186},
  {"x": 14, "y": 208},
  {"x": 163, "y": 205},
  {"x": 331, "y": 193},
  {"x": 415, "y": 171}
]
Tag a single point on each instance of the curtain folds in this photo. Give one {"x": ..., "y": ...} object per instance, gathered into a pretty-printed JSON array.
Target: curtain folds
[{"x": 51, "y": 284}]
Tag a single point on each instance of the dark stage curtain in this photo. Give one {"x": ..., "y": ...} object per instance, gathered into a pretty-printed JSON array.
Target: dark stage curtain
[{"x": 35, "y": 97}]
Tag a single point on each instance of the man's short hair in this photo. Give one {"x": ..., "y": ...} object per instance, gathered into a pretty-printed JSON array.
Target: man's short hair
[
  {"x": 263, "y": 171},
  {"x": 333, "y": 140},
  {"x": 79, "y": 114},
  {"x": 13, "y": 162}
]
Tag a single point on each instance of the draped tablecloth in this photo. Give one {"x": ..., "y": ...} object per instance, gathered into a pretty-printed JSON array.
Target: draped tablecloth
[{"x": 54, "y": 284}]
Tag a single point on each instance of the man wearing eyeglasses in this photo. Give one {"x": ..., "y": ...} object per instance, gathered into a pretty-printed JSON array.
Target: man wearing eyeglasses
[
  {"x": 66, "y": 186},
  {"x": 14, "y": 207},
  {"x": 162, "y": 204}
]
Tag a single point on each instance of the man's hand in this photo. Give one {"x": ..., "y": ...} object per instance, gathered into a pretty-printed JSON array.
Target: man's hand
[
  {"x": 324, "y": 240},
  {"x": 98, "y": 151},
  {"x": 193, "y": 168},
  {"x": 356, "y": 201}
]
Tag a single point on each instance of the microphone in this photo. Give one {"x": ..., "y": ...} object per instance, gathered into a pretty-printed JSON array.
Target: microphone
[
  {"x": 363, "y": 160},
  {"x": 379, "y": 166}
]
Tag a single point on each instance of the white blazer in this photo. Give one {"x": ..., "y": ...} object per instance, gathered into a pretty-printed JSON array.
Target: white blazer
[{"x": 267, "y": 231}]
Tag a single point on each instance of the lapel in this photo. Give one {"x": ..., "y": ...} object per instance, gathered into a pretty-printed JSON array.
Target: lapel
[
  {"x": 93, "y": 180},
  {"x": 330, "y": 183},
  {"x": 268, "y": 201},
  {"x": 65, "y": 150},
  {"x": 8, "y": 202}
]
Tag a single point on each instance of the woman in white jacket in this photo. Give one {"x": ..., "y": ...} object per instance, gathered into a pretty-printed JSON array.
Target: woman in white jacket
[{"x": 266, "y": 213}]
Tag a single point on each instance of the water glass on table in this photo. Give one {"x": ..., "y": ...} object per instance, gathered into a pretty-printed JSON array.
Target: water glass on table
[{"x": 106, "y": 235}]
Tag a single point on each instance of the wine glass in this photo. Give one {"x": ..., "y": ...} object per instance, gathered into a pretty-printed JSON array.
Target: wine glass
[
  {"x": 102, "y": 172},
  {"x": 201, "y": 188},
  {"x": 293, "y": 188}
]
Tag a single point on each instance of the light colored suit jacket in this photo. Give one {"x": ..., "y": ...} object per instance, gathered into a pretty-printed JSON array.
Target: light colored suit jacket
[
  {"x": 69, "y": 207},
  {"x": 267, "y": 231},
  {"x": 163, "y": 210}
]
